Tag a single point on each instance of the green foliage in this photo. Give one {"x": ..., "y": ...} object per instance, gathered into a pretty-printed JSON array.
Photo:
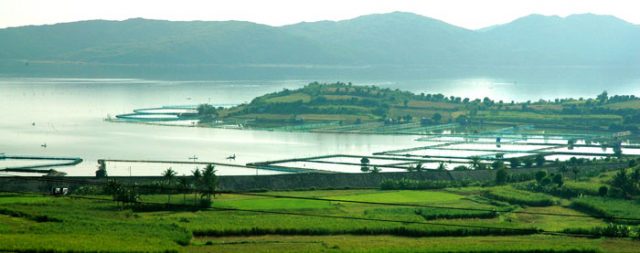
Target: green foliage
[
  {"x": 515, "y": 196},
  {"x": 540, "y": 160},
  {"x": 514, "y": 162},
  {"x": 540, "y": 175},
  {"x": 557, "y": 179},
  {"x": 603, "y": 191},
  {"x": 502, "y": 176}
]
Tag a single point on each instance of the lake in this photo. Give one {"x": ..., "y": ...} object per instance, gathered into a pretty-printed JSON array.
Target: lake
[{"x": 68, "y": 115}]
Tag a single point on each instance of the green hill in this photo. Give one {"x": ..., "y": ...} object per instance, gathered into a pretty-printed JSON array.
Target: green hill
[{"x": 344, "y": 103}]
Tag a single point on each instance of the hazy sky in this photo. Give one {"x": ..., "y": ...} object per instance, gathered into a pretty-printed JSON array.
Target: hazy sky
[{"x": 471, "y": 14}]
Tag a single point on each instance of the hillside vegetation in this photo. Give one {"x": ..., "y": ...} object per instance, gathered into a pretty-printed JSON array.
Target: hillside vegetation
[{"x": 344, "y": 103}]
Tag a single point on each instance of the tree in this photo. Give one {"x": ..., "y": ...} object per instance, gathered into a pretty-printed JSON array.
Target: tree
[
  {"x": 603, "y": 97},
  {"x": 635, "y": 175},
  {"x": 197, "y": 183},
  {"x": 557, "y": 179},
  {"x": 475, "y": 162},
  {"x": 120, "y": 193},
  {"x": 623, "y": 181},
  {"x": 575, "y": 171},
  {"x": 617, "y": 150},
  {"x": 436, "y": 117},
  {"x": 603, "y": 190},
  {"x": 364, "y": 164},
  {"x": 563, "y": 169},
  {"x": 540, "y": 160},
  {"x": 169, "y": 176},
  {"x": 540, "y": 175},
  {"x": 502, "y": 176},
  {"x": 102, "y": 169},
  {"x": 112, "y": 188},
  {"x": 514, "y": 162},
  {"x": 497, "y": 164},
  {"x": 528, "y": 163},
  {"x": 573, "y": 160},
  {"x": 418, "y": 167},
  {"x": 207, "y": 112},
  {"x": 209, "y": 183},
  {"x": 184, "y": 188}
]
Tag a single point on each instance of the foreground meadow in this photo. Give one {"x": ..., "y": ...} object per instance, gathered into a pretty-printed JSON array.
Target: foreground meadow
[{"x": 475, "y": 219}]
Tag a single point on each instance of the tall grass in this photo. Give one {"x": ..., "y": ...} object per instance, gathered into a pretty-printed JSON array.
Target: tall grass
[{"x": 514, "y": 196}]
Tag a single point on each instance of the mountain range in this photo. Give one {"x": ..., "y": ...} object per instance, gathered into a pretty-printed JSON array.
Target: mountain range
[{"x": 396, "y": 38}]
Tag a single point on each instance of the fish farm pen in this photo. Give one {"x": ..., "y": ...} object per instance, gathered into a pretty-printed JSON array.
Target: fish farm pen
[
  {"x": 444, "y": 146},
  {"x": 447, "y": 151},
  {"x": 35, "y": 164}
]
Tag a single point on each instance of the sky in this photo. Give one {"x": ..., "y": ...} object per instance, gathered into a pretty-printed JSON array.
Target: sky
[{"x": 471, "y": 14}]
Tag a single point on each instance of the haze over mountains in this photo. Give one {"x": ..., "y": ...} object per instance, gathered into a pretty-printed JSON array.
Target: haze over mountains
[{"x": 381, "y": 39}]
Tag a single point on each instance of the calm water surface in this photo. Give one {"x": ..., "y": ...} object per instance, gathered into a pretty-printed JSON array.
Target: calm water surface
[{"x": 69, "y": 117}]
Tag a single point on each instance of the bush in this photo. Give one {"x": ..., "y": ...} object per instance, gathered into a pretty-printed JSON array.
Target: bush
[{"x": 603, "y": 190}]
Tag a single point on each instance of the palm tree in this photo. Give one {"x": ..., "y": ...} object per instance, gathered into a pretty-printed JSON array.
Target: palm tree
[
  {"x": 197, "y": 176},
  {"x": 419, "y": 167},
  {"x": 169, "y": 176},
  {"x": 184, "y": 187},
  {"x": 209, "y": 182},
  {"x": 475, "y": 162}
]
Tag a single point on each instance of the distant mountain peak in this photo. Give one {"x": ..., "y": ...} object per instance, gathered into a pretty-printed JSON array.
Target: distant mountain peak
[{"x": 395, "y": 38}]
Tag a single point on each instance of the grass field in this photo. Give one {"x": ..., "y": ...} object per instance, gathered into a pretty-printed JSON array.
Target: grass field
[
  {"x": 350, "y": 243},
  {"x": 93, "y": 225},
  {"x": 609, "y": 207},
  {"x": 512, "y": 195}
]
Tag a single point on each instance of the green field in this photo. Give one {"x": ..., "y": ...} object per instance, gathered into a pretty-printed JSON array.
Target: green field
[
  {"x": 609, "y": 207},
  {"x": 430, "y": 221},
  {"x": 515, "y": 196}
]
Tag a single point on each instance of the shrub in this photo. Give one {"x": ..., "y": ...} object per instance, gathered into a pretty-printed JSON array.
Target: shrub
[{"x": 603, "y": 190}]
